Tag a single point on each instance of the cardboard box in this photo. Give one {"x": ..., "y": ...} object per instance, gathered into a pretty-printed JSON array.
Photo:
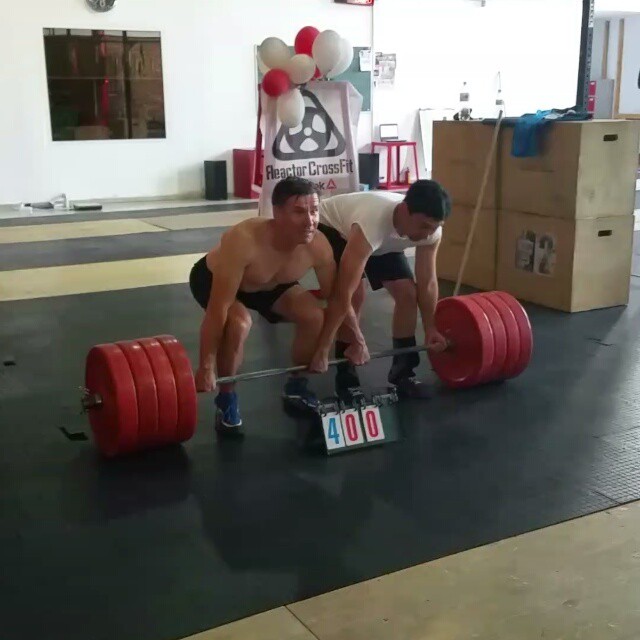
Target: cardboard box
[
  {"x": 459, "y": 155},
  {"x": 584, "y": 170},
  {"x": 480, "y": 271},
  {"x": 571, "y": 265}
]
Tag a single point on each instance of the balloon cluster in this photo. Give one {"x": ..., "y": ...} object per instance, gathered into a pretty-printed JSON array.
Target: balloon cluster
[{"x": 317, "y": 55}]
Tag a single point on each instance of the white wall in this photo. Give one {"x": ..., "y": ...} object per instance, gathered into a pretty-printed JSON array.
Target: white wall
[
  {"x": 629, "y": 90},
  {"x": 630, "y": 96},
  {"x": 209, "y": 84},
  {"x": 597, "y": 54},
  {"x": 615, "y": 6},
  {"x": 614, "y": 47},
  {"x": 441, "y": 43},
  {"x": 209, "y": 79}
]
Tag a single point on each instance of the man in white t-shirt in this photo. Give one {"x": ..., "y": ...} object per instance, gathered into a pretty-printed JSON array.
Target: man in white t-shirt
[{"x": 369, "y": 232}]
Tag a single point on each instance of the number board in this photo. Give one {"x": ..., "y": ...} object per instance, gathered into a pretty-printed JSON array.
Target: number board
[{"x": 352, "y": 429}]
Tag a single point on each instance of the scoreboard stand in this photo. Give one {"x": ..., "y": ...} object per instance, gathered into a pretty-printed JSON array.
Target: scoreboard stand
[{"x": 360, "y": 421}]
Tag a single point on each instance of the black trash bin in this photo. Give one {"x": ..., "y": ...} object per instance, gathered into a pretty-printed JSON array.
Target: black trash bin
[
  {"x": 215, "y": 180},
  {"x": 369, "y": 169}
]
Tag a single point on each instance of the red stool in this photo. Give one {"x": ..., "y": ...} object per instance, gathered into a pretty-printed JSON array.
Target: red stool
[
  {"x": 397, "y": 145},
  {"x": 244, "y": 165}
]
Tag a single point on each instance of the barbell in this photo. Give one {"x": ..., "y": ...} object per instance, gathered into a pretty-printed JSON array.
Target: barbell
[{"x": 140, "y": 394}]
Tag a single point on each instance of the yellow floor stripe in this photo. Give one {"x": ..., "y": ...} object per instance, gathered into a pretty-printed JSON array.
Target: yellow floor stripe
[
  {"x": 46, "y": 282},
  {"x": 101, "y": 228},
  {"x": 69, "y": 230},
  {"x": 202, "y": 220}
]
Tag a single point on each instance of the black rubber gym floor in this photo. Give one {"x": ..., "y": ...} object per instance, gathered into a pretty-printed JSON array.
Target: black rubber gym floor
[
  {"x": 171, "y": 543},
  {"x": 53, "y": 253}
]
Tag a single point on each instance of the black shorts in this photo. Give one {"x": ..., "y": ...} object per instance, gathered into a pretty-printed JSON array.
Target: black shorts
[
  {"x": 379, "y": 269},
  {"x": 261, "y": 301}
]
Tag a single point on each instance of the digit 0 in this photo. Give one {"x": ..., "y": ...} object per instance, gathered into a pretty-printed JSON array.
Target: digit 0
[
  {"x": 372, "y": 424},
  {"x": 352, "y": 432}
]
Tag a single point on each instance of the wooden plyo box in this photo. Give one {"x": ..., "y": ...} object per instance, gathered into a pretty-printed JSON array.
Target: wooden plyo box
[
  {"x": 584, "y": 169},
  {"x": 570, "y": 265},
  {"x": 480, "y": 271}
]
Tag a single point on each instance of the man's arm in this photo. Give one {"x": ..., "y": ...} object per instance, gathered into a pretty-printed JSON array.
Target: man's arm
[
  {"x": 352, "y": 263},
  {"x": 428, "y": 292},
  {"x": 326, "y": 272},
  {"x": 227, "y": 276}
]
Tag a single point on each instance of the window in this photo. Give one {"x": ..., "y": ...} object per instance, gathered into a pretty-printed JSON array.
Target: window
[{"x": 104, "y": 85}]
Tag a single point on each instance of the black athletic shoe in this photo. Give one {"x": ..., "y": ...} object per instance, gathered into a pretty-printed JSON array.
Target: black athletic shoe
[
  {"x": 412, "y": 388},
  {"x": 346, "y": 380}
]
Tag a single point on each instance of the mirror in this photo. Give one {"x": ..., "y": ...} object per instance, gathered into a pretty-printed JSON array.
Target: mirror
[{"x": 104, "y": 85}]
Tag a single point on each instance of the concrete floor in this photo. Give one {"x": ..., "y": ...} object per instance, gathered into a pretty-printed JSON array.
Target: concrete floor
[
  {"x": 574, "y": 581},
  {"x": 508, "y": 512}
]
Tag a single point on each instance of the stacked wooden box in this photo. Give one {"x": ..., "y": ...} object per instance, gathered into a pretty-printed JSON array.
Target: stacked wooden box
[{"x": 555, "y": 229}]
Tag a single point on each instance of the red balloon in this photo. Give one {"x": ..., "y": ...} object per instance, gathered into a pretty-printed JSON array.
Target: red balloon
[
  {"x": 305, "y": 39},
  {"x": 317, "y": 74},
  {"x": 276, "y": 82}
]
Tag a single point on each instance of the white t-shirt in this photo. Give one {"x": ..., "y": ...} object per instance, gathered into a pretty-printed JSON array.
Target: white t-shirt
[{"x": 373, "y": 212}]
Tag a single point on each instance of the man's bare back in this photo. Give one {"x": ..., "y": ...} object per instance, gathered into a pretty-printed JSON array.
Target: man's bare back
[{"x": 254, "y": 245}]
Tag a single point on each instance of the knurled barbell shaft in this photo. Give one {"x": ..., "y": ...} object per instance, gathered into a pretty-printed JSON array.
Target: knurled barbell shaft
[{"x": 266, "y": 373}]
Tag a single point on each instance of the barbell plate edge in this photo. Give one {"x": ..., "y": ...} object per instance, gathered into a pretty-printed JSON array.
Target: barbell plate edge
[
  {"x": 146, "y": 394},
  {"x": 524, "y": 328},
  {"x": 185, "y": 387},
  {"x": 513, "y": 335},
  {"x": 115, "y": 422},
  {"x": 165, "y": 388}
]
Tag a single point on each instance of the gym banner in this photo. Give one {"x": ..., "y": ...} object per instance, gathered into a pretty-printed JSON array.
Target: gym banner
[{"x": 322, "y": 149}]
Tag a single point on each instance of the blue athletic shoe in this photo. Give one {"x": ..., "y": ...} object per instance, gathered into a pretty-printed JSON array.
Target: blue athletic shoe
[
  {"x": 228, "y": 413},
  {"x": 297, "y": 393}
]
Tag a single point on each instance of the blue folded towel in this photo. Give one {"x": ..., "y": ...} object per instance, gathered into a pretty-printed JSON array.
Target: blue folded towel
[
  {"x": 528, "y": 134},
  {"x": 530, "y": 128}
]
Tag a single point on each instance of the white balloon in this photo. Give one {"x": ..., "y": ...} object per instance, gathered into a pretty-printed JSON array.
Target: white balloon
[
  {"x": 274, "y": 53},
  {"x": 261, "y": 65},
  {"x": 346, "y": 58},
  {"x": 301, "y": 68},
  {"x": 291, "y": 109},
  {"x": 327, "y": 51}
]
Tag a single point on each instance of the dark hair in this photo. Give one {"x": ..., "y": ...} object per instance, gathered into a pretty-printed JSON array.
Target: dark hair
[
  {"x": 290, "y": 187},
  {"x": 428, "y": 198}
]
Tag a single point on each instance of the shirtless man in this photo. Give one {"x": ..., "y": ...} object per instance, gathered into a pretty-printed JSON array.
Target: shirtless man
[
  {"x": 257, "y": 266},
  {"x": 369, "y": 232}
]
